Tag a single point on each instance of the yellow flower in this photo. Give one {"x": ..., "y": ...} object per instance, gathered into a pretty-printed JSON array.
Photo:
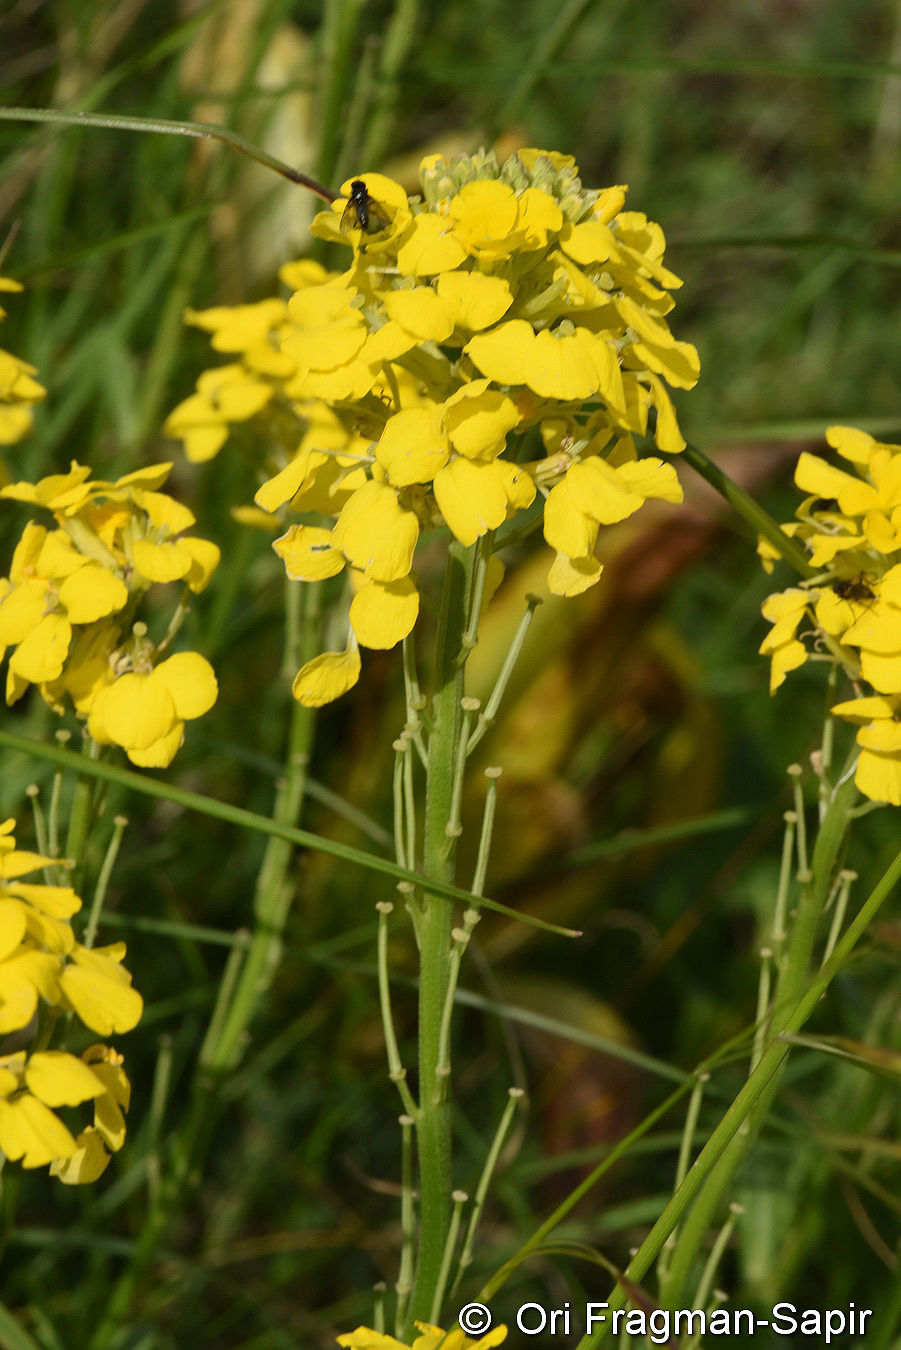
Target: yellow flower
[
  {"x": 201, "y": 421},
  {"x": 505, "y": 301},
  {"x": 146, "y": 713},
  {"x": 31, "y": 1086},
  {"x": 67, "y": 609},
  {"x": 851, "y": 525},
  {"x": 878, "y": 773}
]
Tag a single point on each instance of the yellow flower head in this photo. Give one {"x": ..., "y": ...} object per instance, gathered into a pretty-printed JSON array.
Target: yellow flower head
[
  {"x": 68, "y": 609},
  {"x": 850, "y": 524},
  {"x": 505, "y": 307}
]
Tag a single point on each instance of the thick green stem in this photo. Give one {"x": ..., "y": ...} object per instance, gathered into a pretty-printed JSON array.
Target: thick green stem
[
  {"x": 704, "y": 1187},
  {"x": 436, "y": 922},
  {"x": 815, "y": 891}
]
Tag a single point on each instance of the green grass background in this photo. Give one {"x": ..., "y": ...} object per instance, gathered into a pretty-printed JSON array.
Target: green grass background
[{"x": 766, "y": 141}]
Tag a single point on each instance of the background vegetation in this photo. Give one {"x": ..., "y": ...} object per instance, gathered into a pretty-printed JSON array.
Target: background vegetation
[{"x": 765, "y": 139}]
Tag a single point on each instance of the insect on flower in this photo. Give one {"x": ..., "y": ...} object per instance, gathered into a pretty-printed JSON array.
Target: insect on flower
[
  {"x": 853, "y": 588},
  {"x": 363, "y": 212}
]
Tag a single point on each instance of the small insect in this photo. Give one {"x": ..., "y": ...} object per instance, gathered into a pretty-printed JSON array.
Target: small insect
[
  {"x": 363, "y": 212},
  {"x": 853, "y": 588}
]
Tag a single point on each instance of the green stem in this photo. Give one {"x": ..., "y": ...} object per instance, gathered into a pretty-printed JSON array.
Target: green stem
[
  {"x": 435, "y": 925},
  {"x": 757, "y": 1088},
  {"x": 760, "y": 521},
  {"x": 271, "y": 903},
  {"x": 204, "y": 131},
  {"x": 338, "y": 30},
  {"x": 398, "y": 40},
  {"x": 815, "y": 891},
  {"x": 81, "y": 817}
]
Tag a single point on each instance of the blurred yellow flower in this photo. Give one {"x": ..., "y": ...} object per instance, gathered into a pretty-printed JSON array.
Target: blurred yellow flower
[{"x": 19, "y": 390}]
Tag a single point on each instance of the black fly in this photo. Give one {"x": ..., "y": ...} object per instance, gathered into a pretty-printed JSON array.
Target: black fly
[
  {"x": 362, "y": 212},
  {"x": 853, "y": 588}
]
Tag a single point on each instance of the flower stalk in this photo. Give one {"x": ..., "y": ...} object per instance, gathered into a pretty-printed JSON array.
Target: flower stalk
[{"x": 435, "y": 935}]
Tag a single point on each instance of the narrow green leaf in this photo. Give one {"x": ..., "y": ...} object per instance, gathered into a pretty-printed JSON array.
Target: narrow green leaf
[{"x": 248, "y": 820}]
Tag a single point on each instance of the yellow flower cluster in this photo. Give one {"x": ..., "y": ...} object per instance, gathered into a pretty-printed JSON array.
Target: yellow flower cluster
[
  {"x": 499, "y": 339},
  {"x": 44, "y": 972},
  {"x": 850, "y": 523},
  {"x": 19, "y": 390},
  {"x": 68, "y": 609},
  {"x": 430, "y": 1338}
]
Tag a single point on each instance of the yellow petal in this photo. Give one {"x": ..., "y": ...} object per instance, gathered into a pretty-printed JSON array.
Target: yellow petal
[
  {"x": 881, "y": 671},
  {"x": 785, "y": 658},
  {"x": 383, "y": 613},
  {"x": 309, "y": 553},
  {"x": 205, "y": 556},
  {"x": 12, "y": 927},
  {"x": 478, "y": 419},
  {"x": 326, "y": 677},
  {"x": 471, "y": 497},
  {"x": 572, "y": 576},
  {"x": 429, "y": 247},
  {"x": 567, "y": 528},
  {"x": 820, "y": 479},
  {"x": 879, "y": 777},
  {"x": 564, "y": 367},
  {"x": 161, "y": 562},
  {"x": 420, "y": 312},
  {"x": 191, "y": 682},
  {"x": 652, "y": 478},
  {"x": 21, "y": 610},
  {"x": 474, "y": 301},
  {"x": 412, "y": 447},
  {"x": 505, "y": 353},
  {"x": 376, "y": 534},
  {"x": 86, "y": 1164},
  {"x": 99, "y": 990},
  {"x": 59, "y": 1079},
  {"x": 40, "y": 657},
  {"x": 602, "y": 492},
  {"x": 160, "y": 754},
  {"x": 92, "y": 593},
  {"x": 133, "y": 712},
  {"x": 676, "y": 361},
  {"x": 851, "y": 443},
  {"x": 28, "y": 1130}
]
